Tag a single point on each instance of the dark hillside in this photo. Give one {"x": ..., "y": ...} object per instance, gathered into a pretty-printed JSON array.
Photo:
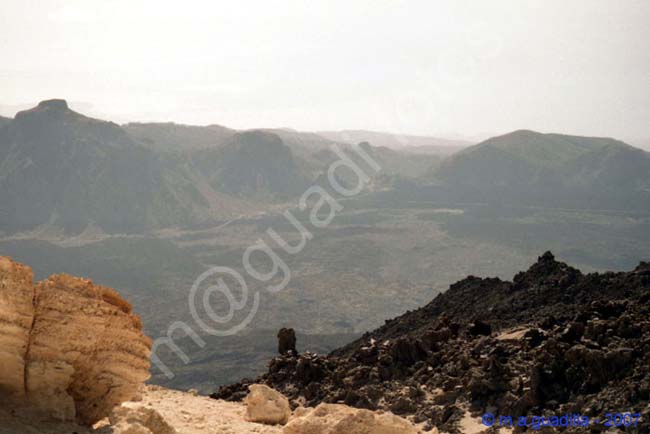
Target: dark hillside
[{"x": 552, "y": 341}]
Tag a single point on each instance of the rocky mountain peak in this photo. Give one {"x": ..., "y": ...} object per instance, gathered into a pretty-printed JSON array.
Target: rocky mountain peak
[
  {"x": 49, "y": 110},
  {"x": 546, "y": 257},
  {"x": 53, "y": 104},
  {"x": 546, "y": 271}
]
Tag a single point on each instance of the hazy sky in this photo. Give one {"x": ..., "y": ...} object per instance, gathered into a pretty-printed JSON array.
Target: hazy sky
[{"x": 425, "y": 67}]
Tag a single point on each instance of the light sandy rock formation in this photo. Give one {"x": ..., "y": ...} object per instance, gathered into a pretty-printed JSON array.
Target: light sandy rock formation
[
  {"x": 341, "y": 419},
  {"x": 87, "y": 352},
  {"x": 73, "y": 350},
  {"x": 16, "y": 317},
  {"x": 265, "y": 405}
]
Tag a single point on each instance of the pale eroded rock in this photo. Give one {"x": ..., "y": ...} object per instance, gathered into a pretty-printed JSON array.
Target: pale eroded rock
[
  {"x": 265, "y": 405},
  {"x": 16, "y": 317},
  {"x": 139, "y": 420},
  {"x": 341, "y": 419},
  {"x": 69, "y": 349}
]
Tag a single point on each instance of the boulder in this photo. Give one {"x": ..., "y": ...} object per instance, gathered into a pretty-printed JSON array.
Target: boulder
[
  {"x": 408, "y": 351},
  {"x": 265, "y": 405},
  {"x": 139, "y": 420},
  {"x": 341, "y": 419}
]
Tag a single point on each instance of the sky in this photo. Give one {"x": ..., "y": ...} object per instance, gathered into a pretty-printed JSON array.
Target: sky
[{"x": 451, "y": 68}]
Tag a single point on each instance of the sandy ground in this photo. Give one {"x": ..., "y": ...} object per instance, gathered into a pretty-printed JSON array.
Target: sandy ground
[
  {"x": 472, "y": 425},
  {"x": 191, "y": 414},
  {"x": 187, "y": 413}
]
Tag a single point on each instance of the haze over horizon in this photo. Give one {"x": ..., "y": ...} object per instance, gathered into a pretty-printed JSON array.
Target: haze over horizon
[{"x": 440, "y": 68}]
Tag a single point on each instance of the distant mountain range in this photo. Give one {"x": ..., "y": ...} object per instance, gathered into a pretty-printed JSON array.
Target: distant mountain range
[{"x": 62, "y": 169}]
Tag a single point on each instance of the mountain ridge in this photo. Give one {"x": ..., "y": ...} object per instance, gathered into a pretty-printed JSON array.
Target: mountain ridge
[
  {"x": 60, "y": 168},
  {"x": 167, "y": 136},
  {"x": 552, "y": 170},
  {"x": 397, "y": 141},
  {"x": 561, "y": 146}
]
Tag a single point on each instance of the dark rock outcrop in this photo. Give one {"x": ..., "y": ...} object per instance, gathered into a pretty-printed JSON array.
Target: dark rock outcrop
[
  {"x": 553, "y": 341},
  {"x": 286, "y": 341}
]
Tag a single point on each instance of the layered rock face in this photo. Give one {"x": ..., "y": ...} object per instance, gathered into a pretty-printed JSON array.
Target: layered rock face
[
  {"x": 73, "y": 349},
  {"x": 16, "y": 317}
]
